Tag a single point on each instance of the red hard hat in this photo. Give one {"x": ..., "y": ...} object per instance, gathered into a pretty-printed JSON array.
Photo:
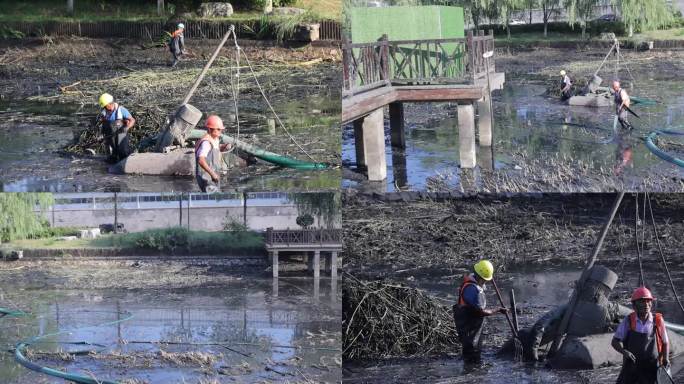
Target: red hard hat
[
  {"x": 641, "y": 293},
  {"x": 215, "y": 122}
]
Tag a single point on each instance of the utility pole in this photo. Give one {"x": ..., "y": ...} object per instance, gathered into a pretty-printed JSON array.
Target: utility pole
[
  {"x": 70, "y": 7},
  {"x": 180, "y": 209},
  {"x": 244, "y": 209},
  {"x": 116, "y": 213}
]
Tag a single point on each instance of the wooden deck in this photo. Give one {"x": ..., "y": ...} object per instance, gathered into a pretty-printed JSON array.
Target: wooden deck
[
  {"x": 312, "y": 242},
  {"x": 364, "y": 103},
  {"x": 435, "y": 70}
]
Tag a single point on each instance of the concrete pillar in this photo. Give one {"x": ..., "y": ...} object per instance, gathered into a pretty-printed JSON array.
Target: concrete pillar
[
  {"x": 369, "y": 131},
  {"x": 333, "y": 290},
  {"x": 317, "y": 289},
  {"x": 317, "y": 264},
  {"x": 274, "y": 287},
  {"x": 485, "y": 158},
  {"x": 333, "y": 265},
  {"x": 399, "y": 167},
  {"x": 326, "y": 263},
  {"x": 309, "y": 262},
  {"x": 275, "y": 263},
  {"x": 484, "y": 121},
  {"x": 466, "y": 135},
  {"x": 396, "y": 116}
]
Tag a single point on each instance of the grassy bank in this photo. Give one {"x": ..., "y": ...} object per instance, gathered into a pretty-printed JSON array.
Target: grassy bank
[
  {"x": 55, "y": 10},
  {"x": 163, "y": 240}
]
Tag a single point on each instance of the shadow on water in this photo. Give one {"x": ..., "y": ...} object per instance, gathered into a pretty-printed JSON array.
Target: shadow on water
[
  {"x": 537, "y": 291},
  {"x": 526, "y": 120},
  {"x": 31, "y": 134},
  {"x": 268, "y": 329}
]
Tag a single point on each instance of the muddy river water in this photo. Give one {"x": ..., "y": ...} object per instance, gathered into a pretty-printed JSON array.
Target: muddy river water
[
  {"x": 265, "y": 330},
  {"x": 536, "y": 292},
  {"x": 530, "y": 125},
  {"x": 32, "y": 133}
]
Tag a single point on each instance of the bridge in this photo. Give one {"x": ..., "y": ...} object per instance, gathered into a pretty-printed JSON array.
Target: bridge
[
  {"x": 311, "y": 242},
  {"x": 390, "y": 73}
]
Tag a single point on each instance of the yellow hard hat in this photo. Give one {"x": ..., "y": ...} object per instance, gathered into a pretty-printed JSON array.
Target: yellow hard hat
[
  {"x": 105, "y": 99},
  {"x": 562, "y": 72},
  {"x": 484, "y": 269}
]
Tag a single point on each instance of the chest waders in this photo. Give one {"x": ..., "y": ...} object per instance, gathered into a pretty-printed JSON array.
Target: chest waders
[
  {"x": 469, "y": 325},
  {"x": 116, "y": 136},
  {"x": 204, "y": 181},
  {"x": 645, "y": 349}
]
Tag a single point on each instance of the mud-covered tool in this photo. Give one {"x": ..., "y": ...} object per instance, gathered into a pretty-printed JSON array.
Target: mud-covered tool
[{"x": 516, "y": 337}]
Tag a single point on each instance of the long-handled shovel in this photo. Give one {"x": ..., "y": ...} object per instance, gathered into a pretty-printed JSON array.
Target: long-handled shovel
[{"x": 516, "y": 337}]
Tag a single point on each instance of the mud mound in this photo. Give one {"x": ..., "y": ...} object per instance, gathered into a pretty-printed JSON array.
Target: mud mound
[{"x": 388, "y": 320}]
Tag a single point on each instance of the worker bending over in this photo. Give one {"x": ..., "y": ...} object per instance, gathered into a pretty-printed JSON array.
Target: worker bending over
[{"x": 177, "y": 44}]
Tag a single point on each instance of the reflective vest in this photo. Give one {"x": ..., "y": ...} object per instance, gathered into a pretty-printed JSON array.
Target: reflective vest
[
  {"x": 467, "y": 280},
  {"x": 659, "y": 325}
]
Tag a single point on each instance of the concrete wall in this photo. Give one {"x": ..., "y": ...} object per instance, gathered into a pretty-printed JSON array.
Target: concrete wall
[
  {"x": 406, "y": 23},
  {"x": 207, "y": 219}
]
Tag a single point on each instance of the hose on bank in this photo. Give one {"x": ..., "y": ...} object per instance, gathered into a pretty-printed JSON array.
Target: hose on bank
[
  {"x": 650, "y": 144},
  {"x": 20, "y": 358}
]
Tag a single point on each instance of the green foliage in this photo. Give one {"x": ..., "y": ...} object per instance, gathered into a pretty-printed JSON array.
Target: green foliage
[
  {"x": 262, "y": 29},
  {"x": 18, "y": 219},
  {"x": 325, "y": 206},
  {"x": 305, "y": 220},
  {"x": 644, "y": 15},
  {"x": 10, "y": 33},
  {"x": 178, "y": 239}
]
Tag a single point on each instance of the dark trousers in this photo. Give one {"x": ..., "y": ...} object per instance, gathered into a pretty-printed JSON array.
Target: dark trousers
[
  {"x": 469, "y": 330},
  {"x": 622, "y": 118}
]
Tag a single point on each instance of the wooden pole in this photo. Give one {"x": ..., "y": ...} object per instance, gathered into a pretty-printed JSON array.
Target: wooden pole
[
  {"x": 116, "y": 213},
  {"x": 585, "y": 274},
  {"x": 514, "y": 309},
  {"x": 510, "y": 322},
  {"x": 207, "y": 65},
  {"x": 70, "y": 7},
  {"x": 160, "y": 7}
]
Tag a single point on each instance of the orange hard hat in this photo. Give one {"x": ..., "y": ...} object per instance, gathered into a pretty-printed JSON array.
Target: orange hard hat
[
  {"x": 214, "y": 122},
  {"x": 641, "y": 293}
]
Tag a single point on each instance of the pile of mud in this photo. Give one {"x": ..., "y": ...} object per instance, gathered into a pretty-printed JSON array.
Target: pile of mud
[{"x": 386, "y": 320}]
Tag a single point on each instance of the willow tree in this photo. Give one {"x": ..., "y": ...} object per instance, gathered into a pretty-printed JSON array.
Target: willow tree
[
  {"x": 504, "y": 9},
  {"x": 549, "y": 8},
  {"x": 580, "y": 11},
  {"x": 18, "y": 216},
  {"x": 324, "y": 206},
  {"x": 644, "y": 15}
]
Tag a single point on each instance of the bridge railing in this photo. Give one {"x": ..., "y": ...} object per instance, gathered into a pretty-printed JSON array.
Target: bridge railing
[
  {"x": 303, "y": 236},
  {"x": 368, "y": 66}
]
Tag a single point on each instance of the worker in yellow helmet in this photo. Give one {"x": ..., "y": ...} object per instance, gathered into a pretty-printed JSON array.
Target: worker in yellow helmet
[
  {"x": 116, "y": 122},
  {"x": 470, "y": 311}
]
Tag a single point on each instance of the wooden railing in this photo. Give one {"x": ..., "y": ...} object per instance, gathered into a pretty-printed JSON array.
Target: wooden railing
[
  {"x": 368, "y": 66},
  {"x": 303, "y": 236}
]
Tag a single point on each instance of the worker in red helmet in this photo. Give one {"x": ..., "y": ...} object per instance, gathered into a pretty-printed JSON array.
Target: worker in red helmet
[
  {"x": 208, "y": 156},
  {"x": 642, "y": 340}
]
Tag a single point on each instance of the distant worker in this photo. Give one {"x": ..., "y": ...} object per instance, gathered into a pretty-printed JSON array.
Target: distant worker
[
  {"x": 208, "y": 156},
  {"x": 642, "y": 340},
  {"x": 177, "y": 44},
  {"x": 116, "y": 123},
  {"x": 566, "y": 86},
  {"x": 622, "y": 102},
  {"x": 470, "y": 311}
]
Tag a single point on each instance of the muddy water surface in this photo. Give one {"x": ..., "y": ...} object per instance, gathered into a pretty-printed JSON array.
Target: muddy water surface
[
  {"x": 530, "y": 123},
  {"x": 283, "y": 330},
  {"x": 32, "y": 134}
]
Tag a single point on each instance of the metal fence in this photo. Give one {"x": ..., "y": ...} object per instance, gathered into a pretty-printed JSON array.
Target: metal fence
[{"x": 330, "y": 29}]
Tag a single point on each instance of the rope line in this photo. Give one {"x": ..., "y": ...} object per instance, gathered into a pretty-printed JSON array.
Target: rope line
[
  {"x": 249, "y": 64},
  {"x": 636, "y": 238},
  {"x": 662, "y": 255}
]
